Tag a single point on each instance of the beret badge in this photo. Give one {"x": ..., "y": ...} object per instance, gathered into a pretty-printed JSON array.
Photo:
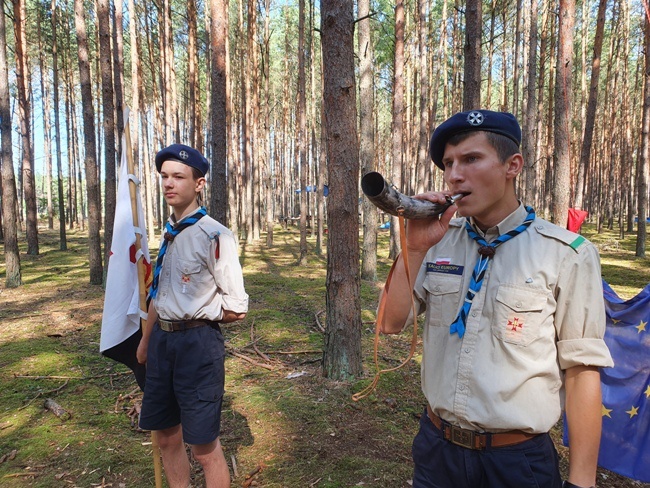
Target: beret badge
[{"x": 475, "y": 118}]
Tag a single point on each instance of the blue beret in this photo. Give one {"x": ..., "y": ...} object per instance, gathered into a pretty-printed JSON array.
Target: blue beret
[
  {"x": 503, "y": 123},
  {"x": 183, "y": 154}
]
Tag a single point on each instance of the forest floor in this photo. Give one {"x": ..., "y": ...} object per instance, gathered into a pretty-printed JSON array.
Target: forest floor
[{"x": 283, "y": 424}]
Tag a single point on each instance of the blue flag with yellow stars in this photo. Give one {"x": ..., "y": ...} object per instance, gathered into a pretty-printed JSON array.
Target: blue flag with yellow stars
[{"x": 625, "y": 443}]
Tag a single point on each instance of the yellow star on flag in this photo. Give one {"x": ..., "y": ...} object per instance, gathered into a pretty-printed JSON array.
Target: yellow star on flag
[
  {"x": 632, "y": 411},
  {"x": 605, "y": 412},
  {"x": 641, "y": 326},
  {"x": 647, "y": 392}
]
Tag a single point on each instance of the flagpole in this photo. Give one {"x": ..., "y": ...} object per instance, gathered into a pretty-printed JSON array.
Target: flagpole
[{"x": 141, "y": 272}]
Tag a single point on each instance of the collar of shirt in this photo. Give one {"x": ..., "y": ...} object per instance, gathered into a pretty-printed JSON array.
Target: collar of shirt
[
  {"x": 512, "y": 221},
  {"x": 172, "y": 218}
]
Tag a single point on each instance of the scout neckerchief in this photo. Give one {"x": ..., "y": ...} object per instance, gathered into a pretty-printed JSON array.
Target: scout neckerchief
[
  {"x": 170, "y": 233},
  {"x": 486, "y": 252}
]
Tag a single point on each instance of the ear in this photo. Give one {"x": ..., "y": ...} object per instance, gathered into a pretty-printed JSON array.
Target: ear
[
  {"x": 514, "y": 165},
  {"x": 199, "y": 184}
]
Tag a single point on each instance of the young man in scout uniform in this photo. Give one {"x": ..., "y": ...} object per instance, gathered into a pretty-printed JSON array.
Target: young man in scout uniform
[
  {"x": 197, "y": 284},
  {"x": 514, "y": 323}
]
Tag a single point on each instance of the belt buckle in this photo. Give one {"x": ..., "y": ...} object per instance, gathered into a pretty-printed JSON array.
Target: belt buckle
[
  {"x": 166, "y": 325},
  {"x": 462, "y": 437}
]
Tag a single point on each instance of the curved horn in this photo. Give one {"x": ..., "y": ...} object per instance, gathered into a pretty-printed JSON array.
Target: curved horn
[{"x": 391, "y": 201}]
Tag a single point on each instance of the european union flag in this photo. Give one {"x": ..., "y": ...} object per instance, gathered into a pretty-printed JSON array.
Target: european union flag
[{"x": 625, "y": 443}]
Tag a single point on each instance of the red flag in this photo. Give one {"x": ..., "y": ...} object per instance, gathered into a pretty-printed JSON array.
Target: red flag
[
  {"x": 121, "y": 333},
  {"x": 576, "y": 218}
]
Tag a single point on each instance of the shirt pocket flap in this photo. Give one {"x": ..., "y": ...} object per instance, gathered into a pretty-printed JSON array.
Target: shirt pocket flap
[
  {"x": 521, "y": 299},
  {"x": 441, "y": 284},
  {"x": 188, "y": 267}
]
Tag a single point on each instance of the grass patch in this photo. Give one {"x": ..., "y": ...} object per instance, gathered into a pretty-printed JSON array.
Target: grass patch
[{"x": 292, "y": 431}]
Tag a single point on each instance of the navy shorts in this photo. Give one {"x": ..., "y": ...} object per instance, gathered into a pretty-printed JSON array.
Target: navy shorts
[
  {"x": 441, "y": 464},
  {"x": 185, "y": 383}
]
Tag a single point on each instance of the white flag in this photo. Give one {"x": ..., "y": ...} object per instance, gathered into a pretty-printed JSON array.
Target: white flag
[{"x": 121, "y": 332}]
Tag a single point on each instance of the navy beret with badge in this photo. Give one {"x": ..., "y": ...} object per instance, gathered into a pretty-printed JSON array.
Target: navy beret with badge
[
  {"x": 183, "y": 154},
  {"x": 503, "y": 123}
]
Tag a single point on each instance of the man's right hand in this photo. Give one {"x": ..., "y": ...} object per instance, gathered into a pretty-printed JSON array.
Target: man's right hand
[
  {"x": 141, "y": 353},
  {"x": 422, "y": 234}
]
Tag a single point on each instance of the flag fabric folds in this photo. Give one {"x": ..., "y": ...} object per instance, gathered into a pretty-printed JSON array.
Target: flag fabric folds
[
  {"x": 625, "y": 442},
  {"x": 121, "y": 333}
]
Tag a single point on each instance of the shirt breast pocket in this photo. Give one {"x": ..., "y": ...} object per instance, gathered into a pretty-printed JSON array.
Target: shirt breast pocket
[
  {"x": 443, "y": 298},
  {"x": 188, "y": 275},
  {"x": 518, "y": 314}
]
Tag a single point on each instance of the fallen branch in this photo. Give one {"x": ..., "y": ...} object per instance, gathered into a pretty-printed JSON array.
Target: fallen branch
[
  {"x": 251, "y": 475},
  {"x": 41, "y": 393},
  {"x": 259, "y": 353},
  {"x": 320, "y": 327},
  {"x": 234, "y": 466},
  {"x": 247, "y": 359},
  {"x": 306, "y": 351},
  {"x": 31, "y": 377},
  {"x": 57, "y": 409}
]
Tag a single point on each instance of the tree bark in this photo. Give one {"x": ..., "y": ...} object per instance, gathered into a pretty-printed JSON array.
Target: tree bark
[
  {"x": 218, "y": 174},
  {"x": 643, "y": 162},
  {"x": 342, "y": 355},
  {"x": 562, "y": 119},
  {"x": 472, "y": 68},
  {"x": 25, "y": 111},
  {"x": 367, "y": 138},
  {"x": 590, "y": 115},
  {"x": 302, "y": 133},
  {"x": 397, "y": 135},
  {"x": 9, "y": 196},
  {"x": 103, "y": 18},
  {"x": 90, "y": 149}
]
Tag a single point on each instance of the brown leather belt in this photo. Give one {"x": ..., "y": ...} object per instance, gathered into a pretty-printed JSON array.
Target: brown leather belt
[
  {"x": 179, "y": 325},
  {"x": 477, "y": 440}
]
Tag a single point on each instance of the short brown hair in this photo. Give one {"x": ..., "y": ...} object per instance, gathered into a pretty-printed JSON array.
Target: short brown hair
[{"x": 504, "y": 146}]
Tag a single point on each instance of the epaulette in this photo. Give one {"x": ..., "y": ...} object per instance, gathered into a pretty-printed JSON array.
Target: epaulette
[
  {"x": 574, "y": 241},
  {"x": 210, "y": 227}
]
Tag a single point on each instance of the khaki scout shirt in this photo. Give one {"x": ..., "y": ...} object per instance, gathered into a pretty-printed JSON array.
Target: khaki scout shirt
[
  {"x": 540, "y": 311},
  {"x": 194, "y": 283}
]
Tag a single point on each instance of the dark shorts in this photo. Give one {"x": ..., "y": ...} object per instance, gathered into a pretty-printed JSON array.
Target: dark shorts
[
  {"x": 441, "y": 464},
  {"x": 185, "y": 383}
]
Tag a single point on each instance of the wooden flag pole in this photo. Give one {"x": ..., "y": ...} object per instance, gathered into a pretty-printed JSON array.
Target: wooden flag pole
[{"x": 141, "y": 271}]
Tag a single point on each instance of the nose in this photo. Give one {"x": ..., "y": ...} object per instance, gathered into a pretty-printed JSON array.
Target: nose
[{"x": 454, "y": 173}]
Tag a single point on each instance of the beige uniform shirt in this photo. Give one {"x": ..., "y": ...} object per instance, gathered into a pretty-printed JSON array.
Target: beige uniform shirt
[
  {"x": 540, "y": 311},
  {"x": 196, "y": 284}
]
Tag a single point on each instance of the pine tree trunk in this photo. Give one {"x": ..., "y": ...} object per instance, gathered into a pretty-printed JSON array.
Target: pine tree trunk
[
  {"x": 90, "y": 163},
  {"x": 342, "y": 355},
  {"x": 643, "y": 162},
  {"x": 472, "y": 68},
  {"x": 397, "y": 147},
  {"x": 562, "y": 120},
  {"x": 367, "y": 138},
  {"x": 302, "y": 133},
  {"x": 219, "y": 133},
  {"x": 25, "y": 111},
  {"x": 9, "y": 196},
  {"x": 106, "y": 68}
]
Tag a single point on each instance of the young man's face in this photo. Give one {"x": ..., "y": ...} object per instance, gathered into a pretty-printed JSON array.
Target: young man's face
[
  {"x": 474, "y": 169},
  {"x": 178, "y": 183}
]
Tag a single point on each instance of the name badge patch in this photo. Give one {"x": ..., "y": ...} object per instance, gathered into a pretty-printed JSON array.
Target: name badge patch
[{"x": 446, "y": 268}]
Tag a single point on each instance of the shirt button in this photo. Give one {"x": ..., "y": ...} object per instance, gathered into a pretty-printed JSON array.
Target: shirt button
[
  {"x": 467, "y": 350},
  {"x": 473, "y": 314},
  {"x": 518, "y": 304},
  {"x": 461, "y": 387},
  {"x": 437, "y": 288}
]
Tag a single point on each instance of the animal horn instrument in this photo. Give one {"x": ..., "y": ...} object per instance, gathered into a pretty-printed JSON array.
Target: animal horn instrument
[{"x": 387, "y": 198}]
